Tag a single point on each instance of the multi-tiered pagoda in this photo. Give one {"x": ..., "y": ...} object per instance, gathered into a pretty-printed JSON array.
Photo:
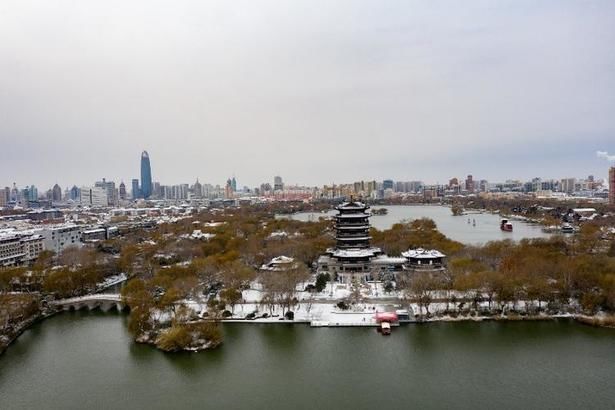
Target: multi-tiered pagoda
[
  {"x": 354, "y": 259},
  {"x": 352, "y": 226},
  {"x": 352, "y": 256}
]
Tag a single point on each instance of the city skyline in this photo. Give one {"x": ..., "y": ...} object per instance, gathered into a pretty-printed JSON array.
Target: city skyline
[
  {"x": 145, "y": 171},
  {"x": 413, "y": 90}
]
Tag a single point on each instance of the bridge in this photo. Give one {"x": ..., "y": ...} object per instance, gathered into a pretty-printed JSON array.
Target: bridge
[{"x": 102, "y": 301}]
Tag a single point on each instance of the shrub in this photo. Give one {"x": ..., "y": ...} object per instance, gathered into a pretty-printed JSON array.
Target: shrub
[
  {"x": 227, "y": 313},
  {"x": 174, "y": 339},
  {"x": 343, "y": 305},
  {"x": 290, "y": 315}
]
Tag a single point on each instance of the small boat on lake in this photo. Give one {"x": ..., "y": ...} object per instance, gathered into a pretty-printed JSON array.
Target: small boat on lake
[
  {"x": 506, "y": 226},
  {"x": 567, "y": 228}
]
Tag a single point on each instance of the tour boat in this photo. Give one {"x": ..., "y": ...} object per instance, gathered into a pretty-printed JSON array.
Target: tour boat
[{"x": 506, "y": 226}]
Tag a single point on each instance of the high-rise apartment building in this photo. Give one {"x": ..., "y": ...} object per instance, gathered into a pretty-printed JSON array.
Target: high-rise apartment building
[
  {"x": 470, "y": 184},
  {"x": 94, "y": 196},
  {"x": 136, "y": 192},
  {"x": 612, "y": 186},
  {"x": 122, "y": 191},
  {"x": 278, "y": 184},
  {"x": 5, "y": 196},
  {"x": 56, "y": 193}
]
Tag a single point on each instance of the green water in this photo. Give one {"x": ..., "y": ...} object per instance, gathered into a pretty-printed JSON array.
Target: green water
[{"x": 87, "y": 361}]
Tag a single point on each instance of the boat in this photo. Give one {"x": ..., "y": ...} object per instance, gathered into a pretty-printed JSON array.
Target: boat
[
  {"x": 567, "y": 228},
  {"x": 381, "y": 211},
  {"x": 385, "y": 328},
  {"x": 506, "y": 226}
]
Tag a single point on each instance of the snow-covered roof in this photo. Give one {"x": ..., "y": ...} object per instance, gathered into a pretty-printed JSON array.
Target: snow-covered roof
[
  {"x": 356, "y": 253},
  {"x": 352, "y": 205},
  {"x": 584, "y": 210},
  {"x": 198, "y": 234},
  {"x": 423, "y": 254},
  {"x": 388, "y": 260},
  {"x": 278, "y": 234},
  {"x": 96, "y": 230},
  {"x": 282, "y": 259},
  {"x": 279, "y": 263}
]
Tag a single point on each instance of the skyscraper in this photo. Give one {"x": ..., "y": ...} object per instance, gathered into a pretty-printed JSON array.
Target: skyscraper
[
  {"x": 122, "y": 190},
  {"x": 146, "y": 176},
  {"x": 74, "y": 193},
  {"x": 56, "y": 193},
  {"x": 612, "y": 186},
  {"x": 135, "y": 189},
  {"x": 278, "y": 185},
  {"x": 470, "y": 184}
]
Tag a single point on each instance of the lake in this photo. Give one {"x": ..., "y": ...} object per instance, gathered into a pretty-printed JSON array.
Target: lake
[
  {"x": 455, "y": 227},
  {"x": 79, "y": 360}
]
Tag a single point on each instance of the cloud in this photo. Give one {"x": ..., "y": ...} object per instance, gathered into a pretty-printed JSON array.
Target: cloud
[{"x": 605, "y": 155}]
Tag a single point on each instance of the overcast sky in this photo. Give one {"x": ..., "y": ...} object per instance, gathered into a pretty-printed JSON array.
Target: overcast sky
[{"x": 316, "y": 91}]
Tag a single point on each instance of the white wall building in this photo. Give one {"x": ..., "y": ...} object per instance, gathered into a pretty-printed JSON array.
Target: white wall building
[
  {"x": 94, "y": 196},
  {"x": 57, "y": 239},
  {"x": 19, "y": 249}
]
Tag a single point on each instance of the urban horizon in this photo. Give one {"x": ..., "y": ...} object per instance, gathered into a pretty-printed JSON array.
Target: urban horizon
[
  {"x": 110, "y": 193},
  {"x": 602, "y": 157}
]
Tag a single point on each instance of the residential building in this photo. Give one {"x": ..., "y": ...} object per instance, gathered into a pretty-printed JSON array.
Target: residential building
[
  {"x": 470, "y": 184},
  {"x": 122, "y": 192},
  {"x": 93, "y": 196},
  {"x": 56, "y": 193},
  {"x": 19, "y": 249},
  {"x": 136, "y": 191},
  {"x": 278, "y": 184},
  {"x": 75, "y": 194},
  {"x": 58, "y": 238},
  {"x": 612, "y": 186}
]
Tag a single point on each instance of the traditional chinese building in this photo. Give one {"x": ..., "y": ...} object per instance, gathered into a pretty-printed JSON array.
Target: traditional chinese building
[{"x": 353, "y": 257}]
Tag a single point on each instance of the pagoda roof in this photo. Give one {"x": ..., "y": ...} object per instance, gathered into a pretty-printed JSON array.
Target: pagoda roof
[
  {"x": 423, "y": 254},
  {"x": 356, "y": 253},
  {"x": 361, "y": 215},
  {"x": 352, "y": 205}
]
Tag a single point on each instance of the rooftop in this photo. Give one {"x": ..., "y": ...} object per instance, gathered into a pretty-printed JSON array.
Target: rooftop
[{"x": 423, "y": 254}]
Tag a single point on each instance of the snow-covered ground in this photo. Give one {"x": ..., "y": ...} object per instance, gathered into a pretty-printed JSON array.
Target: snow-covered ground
[{"x": 320, "y": 309}]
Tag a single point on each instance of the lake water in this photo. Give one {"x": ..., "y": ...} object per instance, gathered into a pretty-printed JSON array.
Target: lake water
[
  {"x": 82, "y": 360},
  {"x": 455, "y": 227}
]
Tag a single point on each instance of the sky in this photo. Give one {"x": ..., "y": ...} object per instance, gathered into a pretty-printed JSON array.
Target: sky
[{"x": 317, "y": 91}]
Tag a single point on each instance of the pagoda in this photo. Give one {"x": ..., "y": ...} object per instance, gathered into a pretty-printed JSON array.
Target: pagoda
[
  {"x": 354, "y": 259},
  {"x": 352, "y": 226},
  {"x": 352, "y": 255}
]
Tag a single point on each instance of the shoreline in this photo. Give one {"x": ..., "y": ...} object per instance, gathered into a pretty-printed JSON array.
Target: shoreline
[
  {"x": 601, "y": 321},
  {"x": 23, "y": 326}
]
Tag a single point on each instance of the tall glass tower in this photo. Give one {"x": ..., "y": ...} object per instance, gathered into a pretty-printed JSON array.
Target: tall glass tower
[{"x": 146, "y": 176}]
